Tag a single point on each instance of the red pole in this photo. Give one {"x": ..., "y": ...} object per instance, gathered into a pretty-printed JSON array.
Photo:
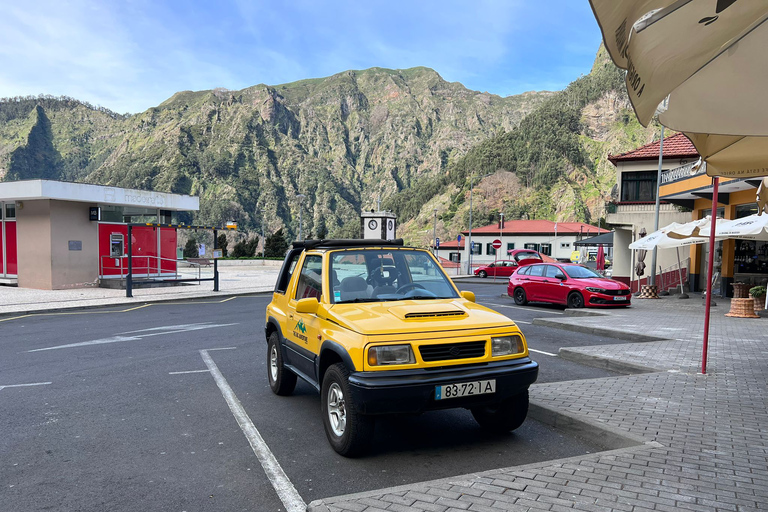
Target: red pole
[{"x": 712, "y": 224}]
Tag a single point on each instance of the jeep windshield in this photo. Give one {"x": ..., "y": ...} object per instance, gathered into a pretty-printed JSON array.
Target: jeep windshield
[{"x": 377, "y": 275}]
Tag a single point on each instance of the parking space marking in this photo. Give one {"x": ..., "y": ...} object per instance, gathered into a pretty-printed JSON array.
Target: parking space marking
[
  {"x": 542, "y": 352},
  {"x": 138, "y": 335},
  {"x": 521, "y": 322},
  {"x": 189, "y": 371},
  {"x": 24, "y": 385},
  {"x": 280, "y": 481},
  {"x": 525, "y": 307}
]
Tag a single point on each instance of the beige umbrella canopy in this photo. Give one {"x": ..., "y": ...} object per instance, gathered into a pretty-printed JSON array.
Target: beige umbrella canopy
[{"x": 708, "y": 56}]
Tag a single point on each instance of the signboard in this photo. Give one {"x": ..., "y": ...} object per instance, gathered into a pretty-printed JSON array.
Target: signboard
[
  {"x": 216, "y": 253},
  {"x": 201, "y": 250},
  {"x": 94, "y": 213},
  {"x": 497, "y": 244},
  {"x": 437, "y": 242},
  {"x": 459, "y": 238},
  {"x": 472, "y": 246}
]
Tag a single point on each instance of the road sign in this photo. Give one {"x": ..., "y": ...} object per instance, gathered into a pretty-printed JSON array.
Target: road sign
[
  {"x": 497, "y": 244},
  {"x": 472, "y": 246},
  {"x": 437, "y": 242},
  {"x": 459, "y": 238}
]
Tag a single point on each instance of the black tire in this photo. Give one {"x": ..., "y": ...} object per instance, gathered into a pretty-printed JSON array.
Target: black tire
[
  {"x": 483, "y": 274},
  {"x": 504, "y": 417},
  {"x": 575, "y": 300},
  {"x": 282, "y": 381},
  {"x": 348, "y": 431},
  {"x": 519, "y": 295}
]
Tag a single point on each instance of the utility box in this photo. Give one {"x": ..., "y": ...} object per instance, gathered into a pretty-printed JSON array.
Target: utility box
[{"x": 378, "y": 225}]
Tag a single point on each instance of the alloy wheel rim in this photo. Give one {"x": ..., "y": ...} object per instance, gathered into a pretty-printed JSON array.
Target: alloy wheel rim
[
  {"x": 273, "y": 363},
  {"x": 337, "y": 411}
]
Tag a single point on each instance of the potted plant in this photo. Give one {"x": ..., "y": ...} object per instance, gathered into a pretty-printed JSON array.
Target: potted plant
[{"x": 758, "y": 294}]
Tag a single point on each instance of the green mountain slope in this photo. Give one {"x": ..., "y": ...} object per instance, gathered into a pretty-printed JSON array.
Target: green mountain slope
[{"x": 342, "y": 141}]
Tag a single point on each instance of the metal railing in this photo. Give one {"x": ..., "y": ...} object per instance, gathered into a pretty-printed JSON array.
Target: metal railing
[
  {"x": 142, "y": 267},
  {"x": 682, "y": 172}
]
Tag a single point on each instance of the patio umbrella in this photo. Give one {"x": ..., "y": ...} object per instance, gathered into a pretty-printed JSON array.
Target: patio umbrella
[
  {"x": 673, "y": 235},
  {"x": 754, "y": 227},
  {"x": 600, "y": 264}
]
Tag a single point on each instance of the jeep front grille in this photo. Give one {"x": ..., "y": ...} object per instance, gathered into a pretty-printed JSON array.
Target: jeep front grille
[
  {"x": 434, "y": 314},
  {"x": 449, "y": 351}
]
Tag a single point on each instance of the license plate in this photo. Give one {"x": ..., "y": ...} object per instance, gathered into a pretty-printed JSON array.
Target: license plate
[
  {"x": 620, "y": 297},
  {"x": 478, "y": 387}
]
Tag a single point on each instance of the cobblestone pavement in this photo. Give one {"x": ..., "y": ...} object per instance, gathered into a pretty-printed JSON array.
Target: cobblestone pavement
[{"x": 705, "y": 436}]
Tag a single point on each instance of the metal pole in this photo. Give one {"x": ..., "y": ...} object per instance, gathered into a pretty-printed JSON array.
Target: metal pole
[
  {"x": 434, "y": 234},
  {"x": 215, "y": 262},
  {"x": 129, "y": 275},
  {"x": 469, "y": 238},
  {"x": 656, "y": 218},
  {"x": 683, "y": 295},
  {"x": 711, "y": 259}
]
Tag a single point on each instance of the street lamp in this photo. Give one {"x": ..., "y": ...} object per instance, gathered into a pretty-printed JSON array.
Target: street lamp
[
  {"x": 301, "y": 198},
  {"x": 469, "y": 238},
  {"x": 261, "y": 222},
  {"x": 434, "y": 233}
]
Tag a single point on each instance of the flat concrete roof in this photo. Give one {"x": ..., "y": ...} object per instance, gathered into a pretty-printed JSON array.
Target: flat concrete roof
[{"x": 97, "y": 194}]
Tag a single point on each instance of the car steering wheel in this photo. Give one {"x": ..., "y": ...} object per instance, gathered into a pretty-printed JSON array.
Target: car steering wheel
[{"x": 408, "y": 286}]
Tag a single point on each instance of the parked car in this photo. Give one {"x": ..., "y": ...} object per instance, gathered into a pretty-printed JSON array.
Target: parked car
[
  {"x": 378, "y": 328},
  {"x": 505, "y": 268},
  {"x": 566, "y": 283}
]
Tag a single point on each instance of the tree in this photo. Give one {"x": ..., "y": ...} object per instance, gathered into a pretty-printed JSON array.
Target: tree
[
  {"x": 190, "y": 249},
  {"x": 251, "y": 246},
  {"x": 276, "y": 245},
  {"x": 223, "y": 242}
]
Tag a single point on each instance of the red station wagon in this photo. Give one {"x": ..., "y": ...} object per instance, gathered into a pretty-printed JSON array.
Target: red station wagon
[
  {"x": 566, "y": 283},
  {"x": 519, "y": 258}
]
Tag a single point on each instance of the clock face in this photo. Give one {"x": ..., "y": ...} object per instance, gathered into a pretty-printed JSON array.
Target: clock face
[
  {"x": 391, "y": 225},
  {"x": 372, "y": 224}
]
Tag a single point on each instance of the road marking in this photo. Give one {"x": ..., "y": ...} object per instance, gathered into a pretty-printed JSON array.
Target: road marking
[
  {"x": 524, "y": 307},
  {"x": 189, "y": 371},
  {"x": 280, "y": 481},
  {"x": 168, "y": 329},
  {"x": 24, "y": 385},
  {"x": 541, "y": 352},
  {"x": 521, "y": 322}
]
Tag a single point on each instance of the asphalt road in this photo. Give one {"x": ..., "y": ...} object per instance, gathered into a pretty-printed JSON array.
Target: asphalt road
[{"x": 136, "y": 408}]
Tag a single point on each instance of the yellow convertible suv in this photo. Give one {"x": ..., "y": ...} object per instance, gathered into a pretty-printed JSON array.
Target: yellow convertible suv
[{"x": 378, "y": 328}]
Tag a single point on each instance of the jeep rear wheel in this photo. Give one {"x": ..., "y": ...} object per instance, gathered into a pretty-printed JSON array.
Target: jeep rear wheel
[
  {"x": 348, "y": 431},
  {"x": 504, "y": 417},
  {"x": 282, "y": 381}
]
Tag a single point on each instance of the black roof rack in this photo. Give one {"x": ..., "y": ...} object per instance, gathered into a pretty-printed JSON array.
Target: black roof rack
[{"x": 331, "y": 243}]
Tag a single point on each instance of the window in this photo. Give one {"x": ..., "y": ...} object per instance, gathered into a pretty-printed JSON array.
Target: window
[
  {"x": 310, "y": 280},
  {"x": 638, "y": 186},
  {"x": 564, "y": 245},
  {"x": 524, "y": 270},
  {"x": 489, "y": 250},
  {"x": 477, "y": 248},
  {"x": 454, "y": 257},
  {"x": 546, "y": 249},
  {"x": 551, "y": 271},
  {"x": 10, "y": 210},
  {"x": 510, "y": 246},
  {"x": 536, "y": 270},
  {"x": 533, "y": 247},
  {"x": 287, "y": 271}
]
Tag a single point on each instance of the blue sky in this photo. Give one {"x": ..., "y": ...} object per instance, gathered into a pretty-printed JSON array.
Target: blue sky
[{"x": 130, "y": 55}]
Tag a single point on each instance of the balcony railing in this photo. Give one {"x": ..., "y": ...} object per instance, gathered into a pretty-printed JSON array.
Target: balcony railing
[{"x": 683, "y": 172}]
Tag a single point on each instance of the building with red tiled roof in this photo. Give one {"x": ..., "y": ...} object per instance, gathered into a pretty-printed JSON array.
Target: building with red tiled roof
[
  {"x": 546, "y": 236},
  {"x": 633, "y": 202}
]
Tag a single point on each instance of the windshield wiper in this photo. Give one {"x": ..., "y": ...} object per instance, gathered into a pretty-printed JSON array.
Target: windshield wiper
[{"x": 359, "y": 299}]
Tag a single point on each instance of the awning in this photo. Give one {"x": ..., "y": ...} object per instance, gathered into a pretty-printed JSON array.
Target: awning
[{"x": 604, "y": 239}]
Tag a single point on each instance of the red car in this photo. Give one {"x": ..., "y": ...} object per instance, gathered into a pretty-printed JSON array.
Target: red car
[
  {"x": 519, "y": 258},
  {"x": 566, "y": 283}
]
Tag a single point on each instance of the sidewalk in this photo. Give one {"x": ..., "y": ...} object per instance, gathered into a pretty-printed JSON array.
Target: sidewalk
[
  {"x": 703, "y": 439},
  {"x": 233, "y": 280}
]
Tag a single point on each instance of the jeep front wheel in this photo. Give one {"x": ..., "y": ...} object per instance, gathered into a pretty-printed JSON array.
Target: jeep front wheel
[
  {"x": 504, "y": 417},
  {"x": 348, "y": 431},
  {"x": 282, "y": 381}
]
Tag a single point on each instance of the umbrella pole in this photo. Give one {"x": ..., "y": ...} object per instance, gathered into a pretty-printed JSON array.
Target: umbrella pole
[
  {"x": 713, "y": 222},
  {"x": 683, "y": 295}
]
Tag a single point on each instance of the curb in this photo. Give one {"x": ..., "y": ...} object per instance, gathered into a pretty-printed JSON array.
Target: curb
[
  {"x": 128, "y": 303},
  {"x": 605, "y": 363},
  {"x": 603, "y": 331}
]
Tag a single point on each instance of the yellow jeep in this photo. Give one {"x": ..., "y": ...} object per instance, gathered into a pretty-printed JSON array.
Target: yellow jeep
[{"x": 378, "y": 328}]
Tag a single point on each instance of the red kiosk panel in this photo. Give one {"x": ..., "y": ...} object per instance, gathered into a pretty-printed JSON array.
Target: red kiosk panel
[
  {"x": 113, "y": 246},
  {"x": 10, "y": 249}
]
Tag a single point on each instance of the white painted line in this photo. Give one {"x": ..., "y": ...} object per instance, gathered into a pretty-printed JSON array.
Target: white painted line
[
  {"x": 521, "y": 322},
  {"x": 541, "y": 352},
  {"x": 24, "y": 385},
  {"x": 548, "y": 311},
  {"x": 155, "y": 331},
  {"x": 283, "y": 486},
  {"x": 222, "y": 348},
  {"x": 189, "y": 371}
]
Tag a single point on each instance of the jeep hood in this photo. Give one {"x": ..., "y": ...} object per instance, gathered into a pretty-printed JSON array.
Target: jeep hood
[{"x": 409, "y": 316}]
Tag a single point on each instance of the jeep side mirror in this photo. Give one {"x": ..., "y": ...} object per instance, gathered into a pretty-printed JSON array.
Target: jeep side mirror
[
  {"x": 308, "y": 306},
  {"x": 468, "y": 295}
]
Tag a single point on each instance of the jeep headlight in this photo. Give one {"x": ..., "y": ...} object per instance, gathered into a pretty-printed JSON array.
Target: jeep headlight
[
  {"x": 507, "y": 345},
  {"x": 390, "y": 354}
]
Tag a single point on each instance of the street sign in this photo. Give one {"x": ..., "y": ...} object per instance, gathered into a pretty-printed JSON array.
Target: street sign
[
  {"x": 497, "y": 244},
  {"x": 472, "y": 246},
  {"x": 459, "y": 238},
  {"x": 437, "y": 242}
]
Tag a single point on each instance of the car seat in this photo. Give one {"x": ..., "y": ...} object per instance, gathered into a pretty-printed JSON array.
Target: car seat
[{"x": 352, "y": 288}]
